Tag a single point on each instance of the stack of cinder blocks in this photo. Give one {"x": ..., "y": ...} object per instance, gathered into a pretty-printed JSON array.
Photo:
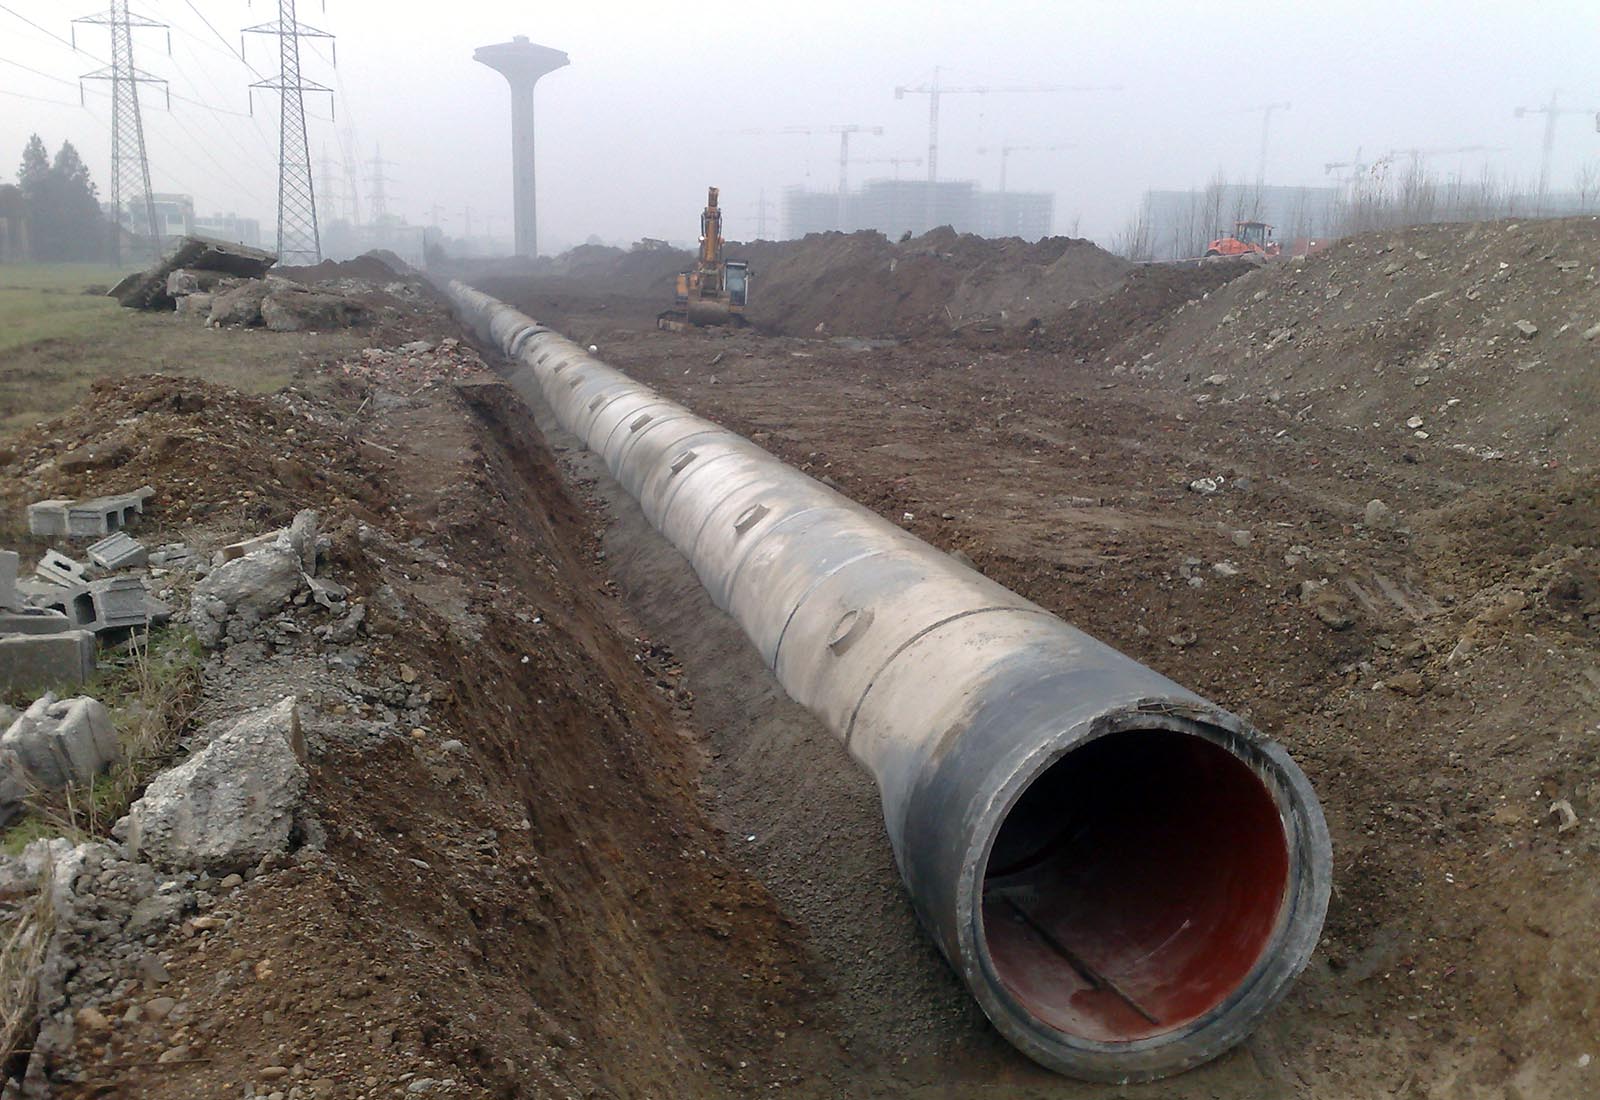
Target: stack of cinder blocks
[
  {"x": 48, "y": 622},
  {"x": 38, "y": 646}
]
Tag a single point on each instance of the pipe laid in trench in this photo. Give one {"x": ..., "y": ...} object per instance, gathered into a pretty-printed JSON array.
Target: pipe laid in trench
[{"x": 1125, "y": 876}]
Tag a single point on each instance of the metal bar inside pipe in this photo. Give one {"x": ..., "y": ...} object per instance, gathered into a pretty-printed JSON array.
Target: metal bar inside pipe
[{"x": 1126, "y": 876}]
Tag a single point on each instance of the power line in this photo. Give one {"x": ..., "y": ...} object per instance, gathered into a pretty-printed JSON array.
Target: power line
[
  {"x": 36, "y": 72},
  {"x": 42, "y": 99},
  {"x": 238, "y": 55},
  {"x": 52, "y": 34}
]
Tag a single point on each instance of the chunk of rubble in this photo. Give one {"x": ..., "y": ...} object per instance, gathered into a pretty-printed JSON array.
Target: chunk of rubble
[
  {"x": 298, "y": 310},
  {"x": 239, "y": 593},
  {"x": 230, "y": 804},
  {"x": 118, "y": 551},
  {"x": 62, "y": 741},
  {"x": 150, "y": 289},
  {"x": 93, "y": 518}
]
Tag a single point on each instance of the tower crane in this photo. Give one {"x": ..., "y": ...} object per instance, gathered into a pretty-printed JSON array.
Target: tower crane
[
  {"x": 1266, "y": 110},
  {"x": 1005, "y": 152},
  {"x": 1551, "y": 112},
  {"x": 894, "y": 162},
  {"x": 844, "y": 131}
]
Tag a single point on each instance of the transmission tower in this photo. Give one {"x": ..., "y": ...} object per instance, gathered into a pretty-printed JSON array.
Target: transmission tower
[
  {"x": 377, "y": 186},
  {"x": 299, "y": 242},
  {"x": 130, "y": 165}
]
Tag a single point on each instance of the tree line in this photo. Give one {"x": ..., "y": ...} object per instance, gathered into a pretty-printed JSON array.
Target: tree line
[{"x": 58, "y": 203}]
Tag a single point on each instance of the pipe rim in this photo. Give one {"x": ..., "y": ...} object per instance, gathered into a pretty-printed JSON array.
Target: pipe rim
[{"x": 1281, "y": 960}]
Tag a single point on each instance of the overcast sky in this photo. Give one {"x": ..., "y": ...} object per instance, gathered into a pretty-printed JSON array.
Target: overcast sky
[{"x": 645, "y": 116}]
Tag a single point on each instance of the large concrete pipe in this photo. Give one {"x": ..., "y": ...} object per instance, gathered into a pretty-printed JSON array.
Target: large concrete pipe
[{"x": 1125, "y": 876}]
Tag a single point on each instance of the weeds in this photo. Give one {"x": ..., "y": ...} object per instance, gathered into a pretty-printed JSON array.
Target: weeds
[
  {"x": 151, "y": 694},
  {"x": 24, "y": 936}
]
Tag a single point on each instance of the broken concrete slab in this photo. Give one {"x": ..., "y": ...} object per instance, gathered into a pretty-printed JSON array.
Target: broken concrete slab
[
  {"x": 248, "y": 589},
  {"x": 33, "y": 620},
  {"x": 118, "y": 551},
  {"x": 92, "y": 518},
  {"x": 190, "y": 280},
  {"x": 241, "y": 305},
  {"x": 10, "y": 599},
  {"x": 196, "y": 305},
  {"x": 34, "y": 661},
  {"x": 303, "y": 311},
  {"x": 57, "y": 568},
  {"x": 174, "y": 555},
  {"x": 228, "y": 805},
  {"x": 148, "y": 289},
  {"x": 62, "y": 741}
]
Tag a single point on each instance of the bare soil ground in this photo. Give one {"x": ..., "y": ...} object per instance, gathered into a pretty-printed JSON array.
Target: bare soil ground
[
  {"x": 651, "y": 874},
  {"x": 1434, "y": 662}
]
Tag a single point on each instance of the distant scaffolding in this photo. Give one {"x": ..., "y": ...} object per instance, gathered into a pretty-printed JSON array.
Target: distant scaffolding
[{"x": 897, "y": 207}]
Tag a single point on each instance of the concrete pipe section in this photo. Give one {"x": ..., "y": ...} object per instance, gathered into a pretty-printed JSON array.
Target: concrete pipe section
[{"x": 1125, "y": 876}]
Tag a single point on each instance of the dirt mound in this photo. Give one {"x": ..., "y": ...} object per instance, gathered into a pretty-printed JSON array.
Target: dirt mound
[
  {"x": 1482, "y": 338},
  {"x": 861, "y": 284},
  {"x": 378, "y": 267},
  {"x": 1150, "y": 294}
]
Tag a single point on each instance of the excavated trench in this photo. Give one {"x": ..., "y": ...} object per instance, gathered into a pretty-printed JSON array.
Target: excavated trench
[{"x": 1134, "y": 890}]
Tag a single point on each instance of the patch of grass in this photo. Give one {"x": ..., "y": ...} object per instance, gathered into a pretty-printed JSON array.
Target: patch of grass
[
  {"x": 151, "y": 694},
  {"x": 48, "y": 302},
  {"x": 55, "y": 341}
]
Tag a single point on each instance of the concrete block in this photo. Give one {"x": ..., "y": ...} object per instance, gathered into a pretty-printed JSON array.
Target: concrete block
[
  {"x": 63, "y": 741},
  {"x": 9, "y": 597},
  {"x": 119, "y": 601},
  {"x": 94, "y": 518},
  {"x": 118, "y": 551},
  {"x": 57, "y": 568},
  {"x": 48, "y": 518},
  {"x": 33, "y": 620},
  {"x": 33, "y": 661},
  {"x": 73, "y": 600}
]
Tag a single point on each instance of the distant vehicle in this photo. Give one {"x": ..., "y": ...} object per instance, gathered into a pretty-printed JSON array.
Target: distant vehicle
[
  {"x": 1249, "y": 238},
  {"x": 714, "y": 290}
]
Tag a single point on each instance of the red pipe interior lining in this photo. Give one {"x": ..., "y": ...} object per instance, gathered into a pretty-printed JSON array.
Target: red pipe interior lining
[{"x": 1134, "y": 885}]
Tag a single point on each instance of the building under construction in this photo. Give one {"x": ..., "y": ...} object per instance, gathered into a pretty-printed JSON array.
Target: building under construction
[{"x": 897, "y": 207}]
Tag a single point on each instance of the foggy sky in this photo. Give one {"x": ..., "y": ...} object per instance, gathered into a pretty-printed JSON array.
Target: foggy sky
[{"x": 641, "y": 121}]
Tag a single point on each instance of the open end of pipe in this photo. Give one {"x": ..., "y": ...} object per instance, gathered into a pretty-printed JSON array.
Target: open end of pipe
[{"x": 1134, "y": 885}]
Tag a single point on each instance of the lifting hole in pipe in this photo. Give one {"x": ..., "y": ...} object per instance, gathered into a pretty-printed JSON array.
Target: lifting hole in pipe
[{"x": 1134, "y": 885}]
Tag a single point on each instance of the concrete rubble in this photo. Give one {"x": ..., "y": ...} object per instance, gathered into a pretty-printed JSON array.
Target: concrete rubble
[
  {"x": 230, "y": 804},
  {"x": 195, "y": 262},
  {"x": 53, "y": 743},
  {"x": 243, "y": 591}
]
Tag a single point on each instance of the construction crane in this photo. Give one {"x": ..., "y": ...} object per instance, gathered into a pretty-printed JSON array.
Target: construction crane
[
  {"x": 894, "y": 162},
  {"x": 844, "y": 131},
  {"x": 1266, "y": 110},
  {"x": 935, "y": 90},
  {"x": 1551, "y": 112},
  {"x": 1005, "y": 152},
  {"x": 1352, "y": 169}
]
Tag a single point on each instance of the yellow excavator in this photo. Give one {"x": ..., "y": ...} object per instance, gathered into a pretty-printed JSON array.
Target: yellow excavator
[{"x": 714, "y": 291}]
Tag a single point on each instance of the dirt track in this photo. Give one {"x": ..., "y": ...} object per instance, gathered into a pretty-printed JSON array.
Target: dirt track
[{"x": 1431, "y": 662}]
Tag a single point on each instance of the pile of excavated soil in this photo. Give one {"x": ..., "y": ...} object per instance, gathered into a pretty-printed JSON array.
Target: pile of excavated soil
[
  {"x": 856, "y": 284},
  {"x": 861, "y": 284},
  {"x": 1483, "y": 338},
  {"x": 374, "y": 266}
]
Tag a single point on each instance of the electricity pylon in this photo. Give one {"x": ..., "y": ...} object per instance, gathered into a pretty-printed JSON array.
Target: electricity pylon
[
  {"x": 130, "y": 165},
  {"x": 299, "y": 241}
]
